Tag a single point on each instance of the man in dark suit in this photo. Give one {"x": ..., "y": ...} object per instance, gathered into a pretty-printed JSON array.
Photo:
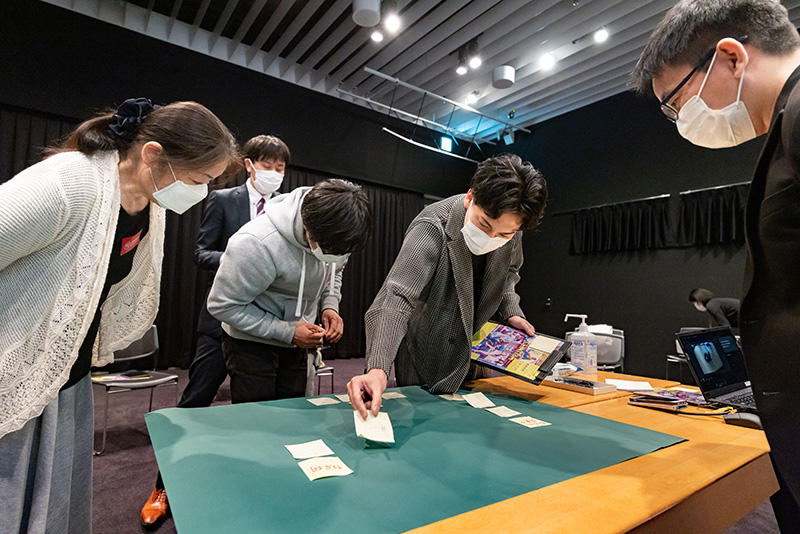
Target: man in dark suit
[
  {"x": 226, "y": 210},
  {"x": 695, "y": 62},
  {"x": 457, "y": 268},
  {"x": 722, "y": 311}
]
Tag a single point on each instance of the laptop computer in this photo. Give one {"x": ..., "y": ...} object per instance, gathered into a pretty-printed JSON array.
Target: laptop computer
[{"x": 717, "y": 364}]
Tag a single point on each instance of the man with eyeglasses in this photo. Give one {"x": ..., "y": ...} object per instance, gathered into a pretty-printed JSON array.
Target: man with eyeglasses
[{"x": 726, "y": 71}]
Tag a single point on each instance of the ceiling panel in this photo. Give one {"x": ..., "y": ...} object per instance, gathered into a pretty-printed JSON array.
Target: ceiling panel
[{"x": 316, "y": 44}]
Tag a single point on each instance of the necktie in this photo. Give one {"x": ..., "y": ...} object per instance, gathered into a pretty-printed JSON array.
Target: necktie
[{"x": 260, "y": 207}]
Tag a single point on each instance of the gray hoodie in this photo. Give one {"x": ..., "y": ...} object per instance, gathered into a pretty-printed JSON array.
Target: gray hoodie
[{"x": 258, "y": 285}]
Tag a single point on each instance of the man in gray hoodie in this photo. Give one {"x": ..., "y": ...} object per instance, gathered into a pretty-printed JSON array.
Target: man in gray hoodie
[{"x": 277, "y": 273}]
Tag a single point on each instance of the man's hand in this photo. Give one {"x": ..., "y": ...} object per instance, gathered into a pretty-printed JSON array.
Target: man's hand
[
  {"x": 366, "y": 391},
  {"x": 515, "y": 321},
  {"x": 307, "y": 335},
  {"x": 334, "y": 326}
]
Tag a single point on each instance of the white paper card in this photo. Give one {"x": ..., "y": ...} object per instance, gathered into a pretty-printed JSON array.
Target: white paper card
[
  {"x": 630, "y": 385},
  {"x": 393, "y": 395},
  {"x": 452, "y": 397},
  {"x": 344, "y": 397},
  {"x": 503, "y": 411},
  {"x": 478, "y": 400},
  {"x": 374, "y": 428},
  {"x": 529, "y": 421},
  {"x": 310, "y": 449},
  {"x": 329, "y": 466},
  {"x": 323, "y": 401}
]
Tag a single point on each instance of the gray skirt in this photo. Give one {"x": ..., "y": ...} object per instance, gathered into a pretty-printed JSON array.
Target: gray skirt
[{"x": 46, "y": 468}]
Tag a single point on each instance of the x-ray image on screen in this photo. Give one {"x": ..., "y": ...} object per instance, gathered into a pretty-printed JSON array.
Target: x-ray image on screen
[{"x": 708, "y": 357}]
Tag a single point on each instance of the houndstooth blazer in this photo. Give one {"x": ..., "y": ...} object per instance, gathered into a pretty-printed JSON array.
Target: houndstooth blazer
[{"x": 422, "y": 317}]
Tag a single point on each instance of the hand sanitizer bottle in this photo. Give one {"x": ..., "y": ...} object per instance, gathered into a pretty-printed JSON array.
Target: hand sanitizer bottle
[{"x": 583, "y": 352}]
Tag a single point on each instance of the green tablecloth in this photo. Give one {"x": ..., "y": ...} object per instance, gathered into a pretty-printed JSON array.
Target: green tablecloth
[{"x": 226, "y": 468}]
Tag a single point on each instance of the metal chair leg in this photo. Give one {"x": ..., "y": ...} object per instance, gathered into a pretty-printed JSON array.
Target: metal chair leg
[
  {"x": 150, "y": 408},
  {"x": 319, "y": 383},
  {"x": 332, "y": 380},
  {"x": 105, "y": 425}
]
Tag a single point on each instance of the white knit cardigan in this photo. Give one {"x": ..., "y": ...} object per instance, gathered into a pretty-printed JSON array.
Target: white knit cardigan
[{"x": 57, "y": 225}]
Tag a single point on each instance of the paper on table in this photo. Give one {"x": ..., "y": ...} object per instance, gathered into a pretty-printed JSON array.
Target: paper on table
[
  {"x": 630, "y": 385},
  {"x": 344, "y": 397},
  {"x": 503, "y": 411},
  {"x": 329, "y": 466},
  {"x": 688, "y": 390},
  {"x": 529, "y": 421},
  {"x": 374, "y": 428},
  {"x": 309, "y": 449},
  {"x": 322, "y": 401},
  {"x": 393, "y": 395},
  {"x": 478, "y": 400},
  {"x": 452, "y": 396}
]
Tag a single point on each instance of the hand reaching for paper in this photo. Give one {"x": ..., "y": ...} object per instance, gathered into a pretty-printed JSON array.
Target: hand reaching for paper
[{"x": 366, "y": 391}]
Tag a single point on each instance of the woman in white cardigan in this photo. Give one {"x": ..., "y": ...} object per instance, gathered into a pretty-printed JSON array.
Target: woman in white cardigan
[{"x": 81, "y": 245}]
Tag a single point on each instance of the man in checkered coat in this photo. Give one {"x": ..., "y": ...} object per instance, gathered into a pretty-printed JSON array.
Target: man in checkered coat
[{"x": 457, "y": 268}]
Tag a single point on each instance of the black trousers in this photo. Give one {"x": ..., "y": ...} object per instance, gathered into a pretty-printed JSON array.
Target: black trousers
[
  {"x": 261, "y": 372},
  {"x": 206, "y": 373}
]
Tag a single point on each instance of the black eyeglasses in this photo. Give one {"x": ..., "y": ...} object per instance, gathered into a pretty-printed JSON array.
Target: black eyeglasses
[{"x": 670, "y": 112}]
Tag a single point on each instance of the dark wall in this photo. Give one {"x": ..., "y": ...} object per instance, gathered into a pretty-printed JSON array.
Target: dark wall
[
  {"x": 57, "y": 61},
  {"x": 618, "y": 149}
]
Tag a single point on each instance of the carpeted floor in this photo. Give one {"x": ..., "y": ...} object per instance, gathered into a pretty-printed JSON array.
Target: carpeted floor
[{"x": 125, "y": 473}]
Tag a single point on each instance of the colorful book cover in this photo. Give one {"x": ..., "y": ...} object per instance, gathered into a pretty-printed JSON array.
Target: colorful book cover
[{"x": 508, "y": 349}]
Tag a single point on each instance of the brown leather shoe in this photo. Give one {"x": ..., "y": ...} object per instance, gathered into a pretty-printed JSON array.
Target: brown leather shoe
[{"x": 156, "y": 508}]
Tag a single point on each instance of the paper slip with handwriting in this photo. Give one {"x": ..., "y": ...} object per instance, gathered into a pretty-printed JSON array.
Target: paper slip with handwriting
[
  {"x": 503, "y": 411},
  {"x": 478, "y": 400},
  {"x": 343, "y": 397},
  {"x": 452, "y": 396},
  {"x": 322, "y": 401},
  {"x": 310, "y": 449},
  {"x": 329, "y": 466},
  {"x": 393, "y": 395},
  {"x": 529, "y": 421},
  {"x": 374, "y": 428}
]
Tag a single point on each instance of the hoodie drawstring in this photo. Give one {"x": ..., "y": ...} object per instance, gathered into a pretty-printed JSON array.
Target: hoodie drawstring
[
  {"x": 333, "y": 275},
  {"x": 299, "y": 310}
]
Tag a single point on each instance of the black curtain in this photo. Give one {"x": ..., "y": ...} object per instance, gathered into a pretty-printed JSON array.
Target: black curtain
[
  {"x": 24, "y": 134},
  {"x": 713, "y": 216},
  {"x": 620, "y": 227},
  {"x": 184, "y": 286}
]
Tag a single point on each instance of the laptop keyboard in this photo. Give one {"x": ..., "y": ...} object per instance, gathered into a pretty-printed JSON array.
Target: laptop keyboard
[{"x": 745, "y": 399}]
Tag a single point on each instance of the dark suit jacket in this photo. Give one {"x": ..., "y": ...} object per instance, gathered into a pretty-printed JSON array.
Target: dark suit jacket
[
  {"x": 225, "y": 212},
  {"x": 770, "y": 312},
  {"x": 424, "y": 313},
  {"x": 724, "y": 311}
]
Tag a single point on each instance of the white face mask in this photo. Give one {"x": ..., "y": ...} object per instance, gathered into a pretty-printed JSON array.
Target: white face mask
[
  {"x": 715, "y": 128},
  {"x": 699, "y": 307},
  {"x": 178, "y": 196},
  {"x": 478, "y": 241},
  {"x": 329, "y": 258},
  {"x": 266, "y": 182}
]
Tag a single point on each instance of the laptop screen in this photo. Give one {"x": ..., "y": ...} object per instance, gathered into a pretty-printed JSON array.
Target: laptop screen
[{"x": 715, "y": 358}]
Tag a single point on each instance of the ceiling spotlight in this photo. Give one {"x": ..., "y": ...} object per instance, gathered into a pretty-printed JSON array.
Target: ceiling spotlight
[
  {"x": 392, "y": 23},
  {"x": 461, "y": 69},
  {"x": 601, "y": 35},
  {"x": 377, "y": 36},
  {"x": 547, "y": 61},
  {"x": 475, "y": 62},
  {"x": 367, "y": 13},
  {"x": 472, "y": 97}
]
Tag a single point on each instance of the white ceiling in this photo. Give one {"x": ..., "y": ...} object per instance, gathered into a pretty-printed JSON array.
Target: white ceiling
[{"x": 316, "y": 44}]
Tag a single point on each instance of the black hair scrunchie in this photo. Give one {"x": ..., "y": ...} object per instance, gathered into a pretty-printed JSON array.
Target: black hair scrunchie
[{"x": 129, "y": 115}]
